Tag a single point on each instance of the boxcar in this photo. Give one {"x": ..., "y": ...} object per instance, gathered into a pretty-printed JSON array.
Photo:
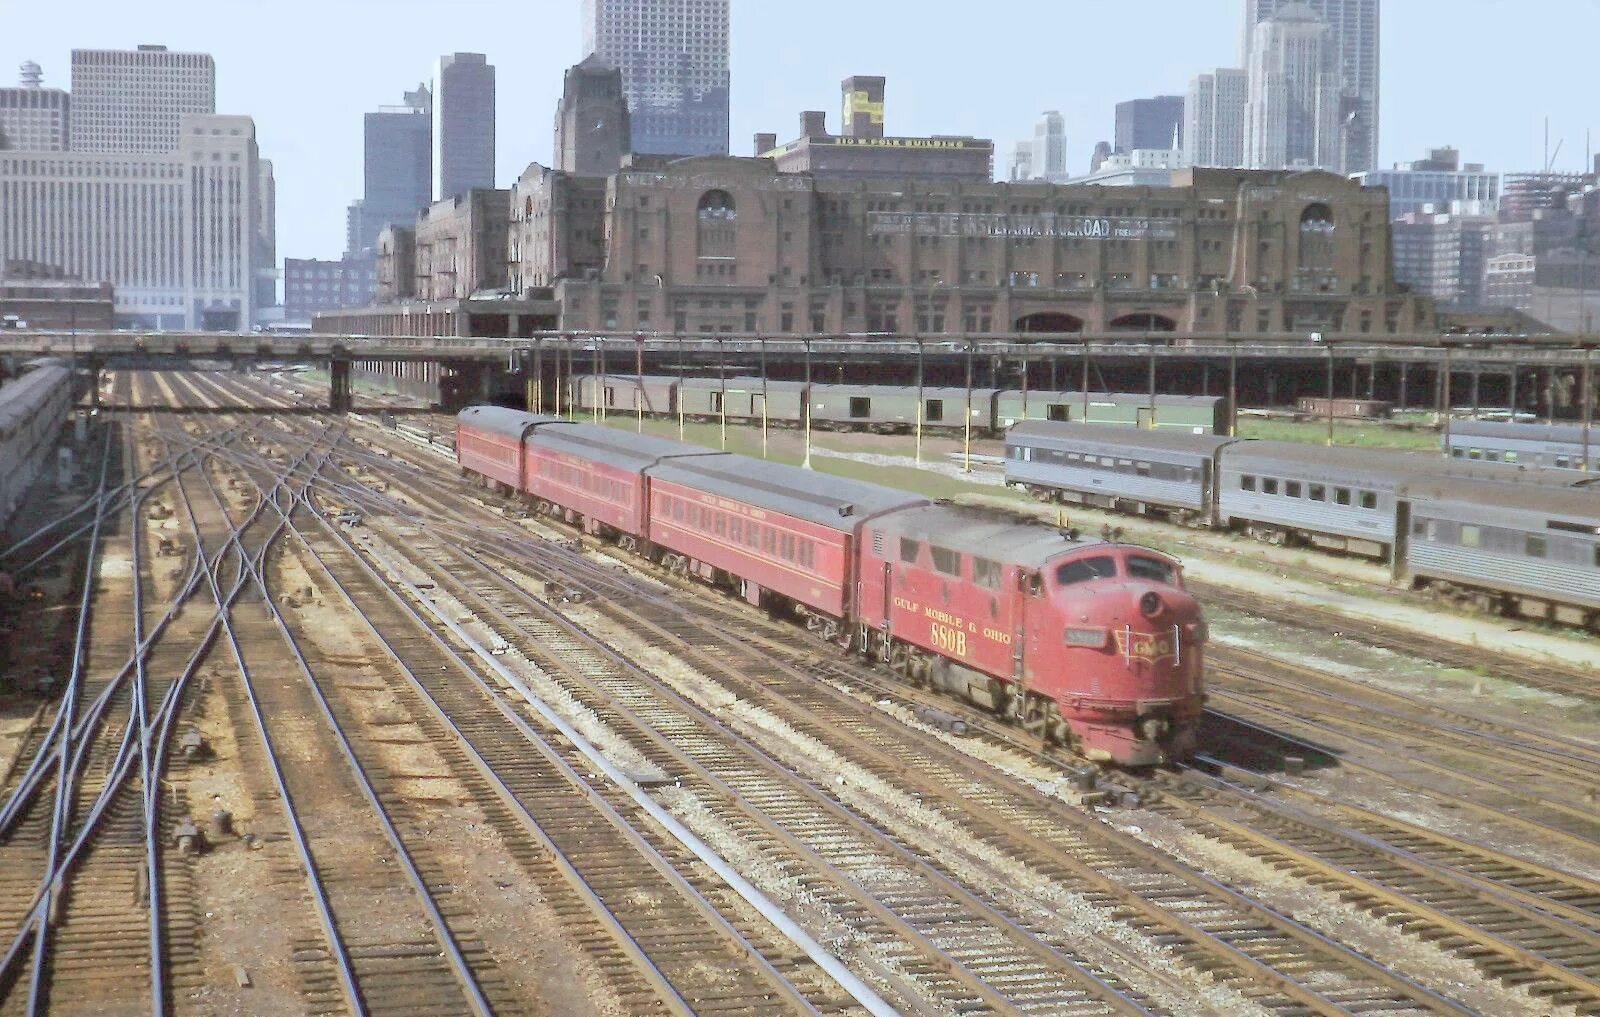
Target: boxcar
[
  {"x": 777, "y": 528},
  {"x": 598, "y": 472},
  {"x": 743, "y": 396},
  {"x": 894, "y": 407},
  {"x": 1116, "y": 468},
  {"x": 1190, "y": 414},
  {"x": 623, "y": 393},
  {"x": 1345, "y": 409},
  {"x": 1552, "y": 446},
  {"x": 1536, "y": 549}
]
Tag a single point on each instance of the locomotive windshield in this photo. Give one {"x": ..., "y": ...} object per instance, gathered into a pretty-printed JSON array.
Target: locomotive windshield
[
  {"x": 1081, "y": 570},
  {"x": 1153, "y": 569}
]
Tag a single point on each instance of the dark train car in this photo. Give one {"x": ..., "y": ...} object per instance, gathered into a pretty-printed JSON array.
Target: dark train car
[
  {"x": 597, "y": 473},
  {"x": 1545, "y": 446},
  {"x": 1116, "y": 468},
  {"x": 1518, "y": 549},
  {"x": 775, "y": 529},
  {"x": 489, "y": 443},
  {"x": 1092, "y": 644}
]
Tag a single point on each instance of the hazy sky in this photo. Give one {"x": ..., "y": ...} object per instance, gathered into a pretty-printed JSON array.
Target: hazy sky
[{"x": 1479, "y": 74}]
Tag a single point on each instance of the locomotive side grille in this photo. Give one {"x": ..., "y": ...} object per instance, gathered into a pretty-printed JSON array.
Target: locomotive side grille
[{"x": 877, "y": 543}]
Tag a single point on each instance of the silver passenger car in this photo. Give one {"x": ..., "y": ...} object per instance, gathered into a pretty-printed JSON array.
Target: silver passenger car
[
  {"x": 1536, "y": 543},
  {"x": 1116, "y": 468},
  {"x": 1551, "y": 446}
]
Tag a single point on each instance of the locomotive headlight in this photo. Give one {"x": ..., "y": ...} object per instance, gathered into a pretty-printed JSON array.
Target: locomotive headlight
[
  {"x": 1086, "y": 637},
  {"x": 1150, "y": 604}
]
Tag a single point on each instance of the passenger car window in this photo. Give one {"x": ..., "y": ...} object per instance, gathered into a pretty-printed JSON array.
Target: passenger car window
[
  {"x": 1535, "y": 547},
  {"x": 945, "y": 560},
  {"x": 1341, "y": 495},
  {"x": 1153, "y": 569},
  {"x": 1471, "y": 536},
  {"x": 1318, "y": 492},
  {"x": 1369, "y": 500},
  {"x": 1292, "y": 488},
  {"x": 908, "y": 551},
  {"x": 1081, "y": 570},
  {"x": 1247, "y": 483},
  {"x": 1269, "y": 486},
  {"x": 986, "y": 573}
]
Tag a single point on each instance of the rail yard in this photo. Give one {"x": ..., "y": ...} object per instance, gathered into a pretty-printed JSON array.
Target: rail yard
[{"x": 310, "y": 713}]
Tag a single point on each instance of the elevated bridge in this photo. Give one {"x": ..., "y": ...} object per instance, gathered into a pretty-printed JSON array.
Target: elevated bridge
[{"x": 451, "y": 370}]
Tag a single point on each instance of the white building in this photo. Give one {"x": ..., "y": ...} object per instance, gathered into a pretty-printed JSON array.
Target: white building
[
  {"x": 1293, "y": 115},
  {"x": 1021, "y": 163},
  {"x": 1142, "y": 167},
  {"x": 174, "y": 232},
  {"x": 132, "y": 100},
  {"x": 673, "y": 55},
  {"x": 1045, "y": 157},
  {"x": 1356, "y": 38},
  {"x": 33, "y": 117},
  {"x": 1214, "y": 118},
  {"x": 1440, "y": 181}
]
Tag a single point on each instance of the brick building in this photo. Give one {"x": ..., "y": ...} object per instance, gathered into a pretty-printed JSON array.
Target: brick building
[
  {"x": 460, "y": 246},
  {"x": 311, "y": 286}
]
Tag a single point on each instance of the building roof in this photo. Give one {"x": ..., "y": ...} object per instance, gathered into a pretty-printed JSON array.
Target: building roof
[{"x": 821, "y": 498}]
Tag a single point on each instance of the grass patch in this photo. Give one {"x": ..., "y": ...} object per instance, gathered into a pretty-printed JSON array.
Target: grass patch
[{"x": 1367, "y": 434}]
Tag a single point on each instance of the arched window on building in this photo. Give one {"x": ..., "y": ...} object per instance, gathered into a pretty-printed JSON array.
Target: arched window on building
[
  {"x": 1317, "y": 234},
  {"x": 718, "y": 225}
]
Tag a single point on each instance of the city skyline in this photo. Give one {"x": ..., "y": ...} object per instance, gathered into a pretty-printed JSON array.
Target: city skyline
[{"x": 313, "y": 129}]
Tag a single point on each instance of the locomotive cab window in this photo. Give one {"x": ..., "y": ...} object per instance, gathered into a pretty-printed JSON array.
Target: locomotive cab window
[
  {"x": 1082, "y": 570},
  {"x": 1153, "y": 569},
  {"x": 908, "y": 551},
  {"x": 945, "y": 560},
  {"x": 986, "y": 573}
]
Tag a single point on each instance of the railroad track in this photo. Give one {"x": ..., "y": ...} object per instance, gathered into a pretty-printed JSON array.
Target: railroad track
[
  {"x": 1514, "y": 668},
  {"x": 1511, "y": 973}
]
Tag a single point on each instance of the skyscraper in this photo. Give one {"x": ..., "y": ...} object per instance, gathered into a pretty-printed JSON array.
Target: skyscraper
[
  {"x": 1355, "y": 26},
  {"x": 673, "y": 55},
  {"x": 34, "y": 118},
  {"x": 1214, "y": 118},
  {"x": 1050, "y": 148},
  {"x": 1295, "y": 93},
  {"x": 463, "y": 125},
  {"x": 397, "y": 169},
  {"x": 133, "y": 100},
  {"x": 1149, "y": 123}
]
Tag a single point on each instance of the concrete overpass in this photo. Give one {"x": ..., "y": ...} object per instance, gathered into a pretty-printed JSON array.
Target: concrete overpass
[{"x": 451, "y": 370}]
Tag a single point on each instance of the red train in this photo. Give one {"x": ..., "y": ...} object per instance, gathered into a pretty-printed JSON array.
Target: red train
[{"x": 1092, "y": 644}]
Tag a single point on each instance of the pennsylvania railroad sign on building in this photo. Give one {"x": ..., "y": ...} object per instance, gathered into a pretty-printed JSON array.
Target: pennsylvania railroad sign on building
[{"x": 1001, "y": 224}]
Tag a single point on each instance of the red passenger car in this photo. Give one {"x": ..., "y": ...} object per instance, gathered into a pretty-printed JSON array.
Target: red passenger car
[
  {"x": 1088, "y": 643},
  {"x": 782, "y": 531}
]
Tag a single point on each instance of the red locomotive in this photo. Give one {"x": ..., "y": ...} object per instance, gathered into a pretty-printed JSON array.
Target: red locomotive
[{"x": 1092, "y": 644}]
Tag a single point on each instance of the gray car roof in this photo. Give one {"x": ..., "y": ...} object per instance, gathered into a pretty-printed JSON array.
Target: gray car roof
[
  {"x": 1575, "y": 502},
  {"x": 822, "y": 498},
  {"x": 1069, "y": 435},
  {"x": 1569, "y": 433},
  {"x": 1140, "y": 398},
  {"x": 502, "y": 421},
  {"x": 980, "y": 532},
  {"x": 1386, "y": 464},
  {"x": 613, "y": 446},
  {"x": 937, "y": 391}
]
